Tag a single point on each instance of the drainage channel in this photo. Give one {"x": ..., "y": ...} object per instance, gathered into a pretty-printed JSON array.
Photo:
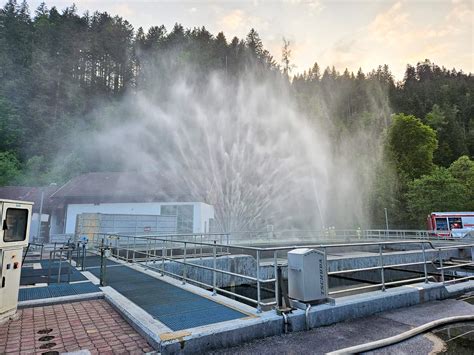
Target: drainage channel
[{"x": 46, "y": 341}]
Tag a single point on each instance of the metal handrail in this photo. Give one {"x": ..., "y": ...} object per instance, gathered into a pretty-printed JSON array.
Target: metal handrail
[
  {"x": 40, "y": 245},
  {"x": 52, "y": 257},
  {"x": 156, "y": 249}
]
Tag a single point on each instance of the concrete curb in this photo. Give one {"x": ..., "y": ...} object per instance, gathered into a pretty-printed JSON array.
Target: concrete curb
[
  {"x": 140, "y": 320},
  {"x": 58, "y": 300}
]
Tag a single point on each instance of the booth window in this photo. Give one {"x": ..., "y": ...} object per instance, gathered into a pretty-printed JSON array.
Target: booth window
[
  {"x": 441, "y": 224},
  {"x": 14, "y": 226},
  {"x": 455, "y": 223}
]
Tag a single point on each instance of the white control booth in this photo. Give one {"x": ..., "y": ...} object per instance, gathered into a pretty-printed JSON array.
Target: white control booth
[{"x": 14, "y": 235}]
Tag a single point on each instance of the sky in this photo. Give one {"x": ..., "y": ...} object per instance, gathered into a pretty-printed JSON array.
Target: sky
[{"x": 347, "y": 34}]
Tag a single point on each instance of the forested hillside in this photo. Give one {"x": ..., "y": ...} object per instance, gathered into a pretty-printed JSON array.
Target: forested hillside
[{"x": 57, "y": 67}]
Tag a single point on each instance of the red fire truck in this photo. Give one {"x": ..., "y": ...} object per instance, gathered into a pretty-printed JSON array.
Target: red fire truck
[{"x": 452, "y": 224}]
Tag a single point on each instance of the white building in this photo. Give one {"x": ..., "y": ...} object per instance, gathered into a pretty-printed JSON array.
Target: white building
[{"x": 128, "y": 194}]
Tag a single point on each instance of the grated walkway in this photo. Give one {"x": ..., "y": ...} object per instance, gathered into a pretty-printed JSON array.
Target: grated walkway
[
  {"x": 175, "y": 307},
  {"x": 31, "y": 276},
  {"x": 56, "y": 290}
]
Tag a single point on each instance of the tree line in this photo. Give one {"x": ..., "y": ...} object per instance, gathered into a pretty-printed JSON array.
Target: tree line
[{"x": 57, "y": 66}]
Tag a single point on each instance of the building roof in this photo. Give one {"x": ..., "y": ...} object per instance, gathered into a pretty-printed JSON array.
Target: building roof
[
  {"x": 30, "y": 194},
  {"x": 126, "y": 187}
]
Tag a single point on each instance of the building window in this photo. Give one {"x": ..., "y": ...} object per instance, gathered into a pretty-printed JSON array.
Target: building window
[
  {"x": 184, "y": 216},
  {"x": 14, "y": 226}
]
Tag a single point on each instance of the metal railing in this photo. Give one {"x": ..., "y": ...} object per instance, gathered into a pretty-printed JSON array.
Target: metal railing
[
  {"x": 62, "y": 254},
  {"x": 159, "y": 252},
  {"x": 256, "y": 238},
  {"x": 330, "y": 234},
  {"x": 35, "y": 248}
]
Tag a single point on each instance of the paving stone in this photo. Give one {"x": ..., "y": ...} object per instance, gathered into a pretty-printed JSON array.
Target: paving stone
[{"x": 91, "y": 325}]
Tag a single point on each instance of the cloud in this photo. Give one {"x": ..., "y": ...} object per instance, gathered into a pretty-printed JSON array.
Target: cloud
[
  {"x": 123, "y": 10},
  {"x": 313, "y": 6},
  {"x": 238, "y": 22},
  {"x": 396, "y": 37},
  {"x": 389, "y": 24},
  {"x": 233, "y": 21}
]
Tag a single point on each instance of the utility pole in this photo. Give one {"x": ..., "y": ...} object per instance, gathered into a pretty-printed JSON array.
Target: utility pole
[{"x": 386, "y": 219}]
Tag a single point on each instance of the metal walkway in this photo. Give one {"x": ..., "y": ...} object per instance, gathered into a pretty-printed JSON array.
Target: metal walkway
[
  {"x": 31, "y": 276},
  {"x": 175, "y": 307},
  {"x": 57, "y": 290}
]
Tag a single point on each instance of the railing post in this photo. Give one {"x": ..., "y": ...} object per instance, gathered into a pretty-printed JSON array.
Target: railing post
[
  {"x": 128, "y": 247},
  {"x": 147, "y": 252},
  {"x": 78, "y": 252},
  {"x": 214, "y": 252},
  {"x": 69, "y": 254},
  {"x": 163, "y": 255},
  {"x": 103, "y": 264},
  {"x": 325, "y": 254},
  {"x": 83, "y": 261},
  {"x": 51, "y": 255},
  {"x": 60, "y": 263},
  {"x": 200, "y": 256},
  {"x": 441, "y": 265},
  {"x": 382, "y": 274},
  {"x": 134, "y": 248},
  {"x": 259, "y": 308},
  {"x": 184, "y": 265},
  {"x": 424, "y": 262},
  {"x": 275, "y": 272}
]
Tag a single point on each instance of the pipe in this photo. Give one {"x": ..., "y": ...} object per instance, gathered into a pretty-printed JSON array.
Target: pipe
[
  {"x": 403, "y": 336},
  {"x": 308, "y": 308},
  {"x": 286, "y": 322}
]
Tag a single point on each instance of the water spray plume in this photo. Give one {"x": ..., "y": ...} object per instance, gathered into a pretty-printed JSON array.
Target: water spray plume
[{"x": 241, "y": 146}]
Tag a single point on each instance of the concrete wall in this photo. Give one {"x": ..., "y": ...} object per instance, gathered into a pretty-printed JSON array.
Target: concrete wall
[
  {"x": 247, "y": 265},
  {"x": 241, "y": 264},
  {"x": 356, "y": 261}
]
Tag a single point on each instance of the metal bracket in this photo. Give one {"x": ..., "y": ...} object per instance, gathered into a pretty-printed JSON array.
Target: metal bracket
[{"x": 304, "y": 305}]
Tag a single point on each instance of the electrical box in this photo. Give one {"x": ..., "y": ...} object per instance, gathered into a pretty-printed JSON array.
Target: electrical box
[
  {"x": 14, "y": 236},
  {"x": 307, "y": 275}
]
